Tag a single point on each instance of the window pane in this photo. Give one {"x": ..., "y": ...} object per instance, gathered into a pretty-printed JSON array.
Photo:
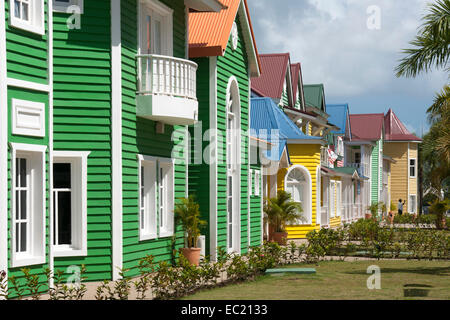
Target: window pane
[
  {"x": 23, "y": 172},
  {"x": 17, "y": 8},
  {"x": 17, "y": 205},
  {"x": 65, "y": 218},
  {"x": 158, "y": 36},
  {"x": 23, "y": 204},
  {"x": 61, "y": 176},
  {"x": 25, "y": 9},
  {"x": 23, "y": 237}
]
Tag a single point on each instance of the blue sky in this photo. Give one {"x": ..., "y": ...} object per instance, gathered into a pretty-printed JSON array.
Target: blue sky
[{"x": 332, "y": 40}]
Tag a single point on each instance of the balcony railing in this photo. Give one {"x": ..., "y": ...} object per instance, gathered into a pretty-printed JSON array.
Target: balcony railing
[
  {"x": 164, "y": 75},
  {"x": 167, "y": 90}
]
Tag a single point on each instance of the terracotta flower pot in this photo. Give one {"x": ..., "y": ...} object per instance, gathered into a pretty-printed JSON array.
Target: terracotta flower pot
[
  {"x": 280, "y": 238},
  {"x": 192, "y": 255}
]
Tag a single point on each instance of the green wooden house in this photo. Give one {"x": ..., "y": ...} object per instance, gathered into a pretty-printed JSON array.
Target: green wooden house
[
  {"x": 95, "y": 98},
  {"x": 223, "y": 46}
]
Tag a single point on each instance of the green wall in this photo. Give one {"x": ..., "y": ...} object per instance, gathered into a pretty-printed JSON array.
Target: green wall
[
  {"x": 82, "y": 122},
  {"x": 139, "y": 137}
]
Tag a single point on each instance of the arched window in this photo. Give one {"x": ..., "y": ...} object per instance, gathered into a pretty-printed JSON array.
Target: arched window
[
  {"x": 298, "y": 184},
  {"x": 233, "y": 166}
]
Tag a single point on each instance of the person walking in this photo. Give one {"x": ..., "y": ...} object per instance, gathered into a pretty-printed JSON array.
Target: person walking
[{"x": 400, "y": 206}]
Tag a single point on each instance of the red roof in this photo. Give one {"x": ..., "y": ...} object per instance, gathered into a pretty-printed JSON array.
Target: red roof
[
  {"x": 367, "y": 127},
  {"x": 209, "y": 32},
  {"x": 273, "y": 75},
  {"x": 395, "y": 130}
]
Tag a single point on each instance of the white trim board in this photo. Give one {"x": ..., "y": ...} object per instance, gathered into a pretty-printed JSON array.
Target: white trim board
[
  {"x": 3, "y": 145},
  {"x": 29, "y": 85},
  {"x": 213, "y": 164},
  {"x": 116, "y": 104}
]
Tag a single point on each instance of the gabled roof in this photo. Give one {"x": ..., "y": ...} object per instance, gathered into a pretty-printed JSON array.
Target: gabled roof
[
  {"x": 266, "y": 117},
  {"x": 367, "y": 127},
  {"x": 315, "y": 96},
  {"x": 209, "y": 32},
  {"x": 395, "y": 130},
  {"x": 339, "y": 116},
  {"x": 274, "y": 71}
]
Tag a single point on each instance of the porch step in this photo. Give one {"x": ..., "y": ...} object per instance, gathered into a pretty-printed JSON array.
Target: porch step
[{"x": 291, "y": 271}]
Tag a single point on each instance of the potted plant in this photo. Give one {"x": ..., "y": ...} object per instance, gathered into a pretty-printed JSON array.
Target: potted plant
[
  {"x": 392, "y": 210},
  {"x": 373, "y": 210},
  {"x": 188, "y": 212},
  {"x": 282, "y": 211}
]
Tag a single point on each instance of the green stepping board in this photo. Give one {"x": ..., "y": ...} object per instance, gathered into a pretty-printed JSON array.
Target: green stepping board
[{"x": 292, "y": 271}]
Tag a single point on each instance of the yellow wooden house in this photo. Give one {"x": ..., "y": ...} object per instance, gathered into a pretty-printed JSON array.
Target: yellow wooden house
[{"x": 402, "y": 147}]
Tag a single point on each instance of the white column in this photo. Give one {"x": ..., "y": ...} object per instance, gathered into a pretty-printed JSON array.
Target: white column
[{"x": 116, "y": 75}]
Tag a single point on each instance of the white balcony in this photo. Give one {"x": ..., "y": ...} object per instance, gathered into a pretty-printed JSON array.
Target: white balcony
[{"x": 167, "y": 90}]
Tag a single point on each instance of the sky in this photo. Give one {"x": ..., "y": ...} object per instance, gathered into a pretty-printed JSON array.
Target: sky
[{"x": 352, "y": 47}]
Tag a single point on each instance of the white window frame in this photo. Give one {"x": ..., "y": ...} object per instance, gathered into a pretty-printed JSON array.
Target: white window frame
[
  {"x": 156, "y": 207},
  {"x": 411, "y": 203},
  {"x": 166, "y": 201},
  {"x": 250, "y": 177},
  {"x": 78, "y": 161},
  {"x": 257, "y": 183},
  {"x": 166, "y": 14},
  {"x": 36, "y": 23},
  {"x": 36, "y": 236},
  {"x": 63, "y": 7},
  {"x": 332, "y": 198},
  {"x": 410, "y": 167},
  {"x": 148, "y": 212},
  {"x": 35, "y": 114},
  {"x": 338, "y": 198}
]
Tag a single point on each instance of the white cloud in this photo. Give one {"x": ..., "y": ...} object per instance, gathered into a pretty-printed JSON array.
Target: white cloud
[{"x": 331, "y": 39}]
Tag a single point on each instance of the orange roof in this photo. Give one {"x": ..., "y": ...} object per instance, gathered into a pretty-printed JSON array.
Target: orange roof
[{"x": 209, "y": 32}]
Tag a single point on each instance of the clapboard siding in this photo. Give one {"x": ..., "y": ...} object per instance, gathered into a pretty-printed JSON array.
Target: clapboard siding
[
  {"x": 256, "y": 209},
  {"x": 413, "y": 154},
  {"x": 140, "y": 137},
  {"x": 309, "y": 157},
  {"x": 82, "y": 122},
  {"x": 233, "y": 63},
  {"x": 26, "y": 52},
  {"x": 199, "y": 175},
  {"x": 399, "y": 170},
  {"x": 375, "y": 172}
]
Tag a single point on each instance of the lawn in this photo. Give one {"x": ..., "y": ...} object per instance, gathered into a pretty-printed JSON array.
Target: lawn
[{"x": 344, "y": 281}]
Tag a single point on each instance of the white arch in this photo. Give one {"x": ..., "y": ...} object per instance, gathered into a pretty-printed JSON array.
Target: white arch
[{"x": 307, "y": 209}]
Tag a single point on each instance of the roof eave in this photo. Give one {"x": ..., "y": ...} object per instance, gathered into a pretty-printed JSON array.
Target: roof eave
[{"x": 204, "y": 5}]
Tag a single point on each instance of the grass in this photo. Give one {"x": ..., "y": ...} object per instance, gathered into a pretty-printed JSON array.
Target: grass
[{"x": 400, "y": 280}]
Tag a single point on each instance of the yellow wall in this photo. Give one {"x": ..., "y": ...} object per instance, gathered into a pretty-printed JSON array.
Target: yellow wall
[
  {"x": 399, "y": 170},
  {"x": 309, "y": 157}
]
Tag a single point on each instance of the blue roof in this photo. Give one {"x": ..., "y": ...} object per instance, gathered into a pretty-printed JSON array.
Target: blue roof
[
  {"x": 266, "y": 117},
  {"x": 339, "y": 114}
]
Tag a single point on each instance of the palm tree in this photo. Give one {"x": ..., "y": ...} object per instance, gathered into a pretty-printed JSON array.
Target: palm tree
[
  {"x": 431, "y": 45},
  {"x": 439, "y": 117},
  {"x": 282, "y": 211}
]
